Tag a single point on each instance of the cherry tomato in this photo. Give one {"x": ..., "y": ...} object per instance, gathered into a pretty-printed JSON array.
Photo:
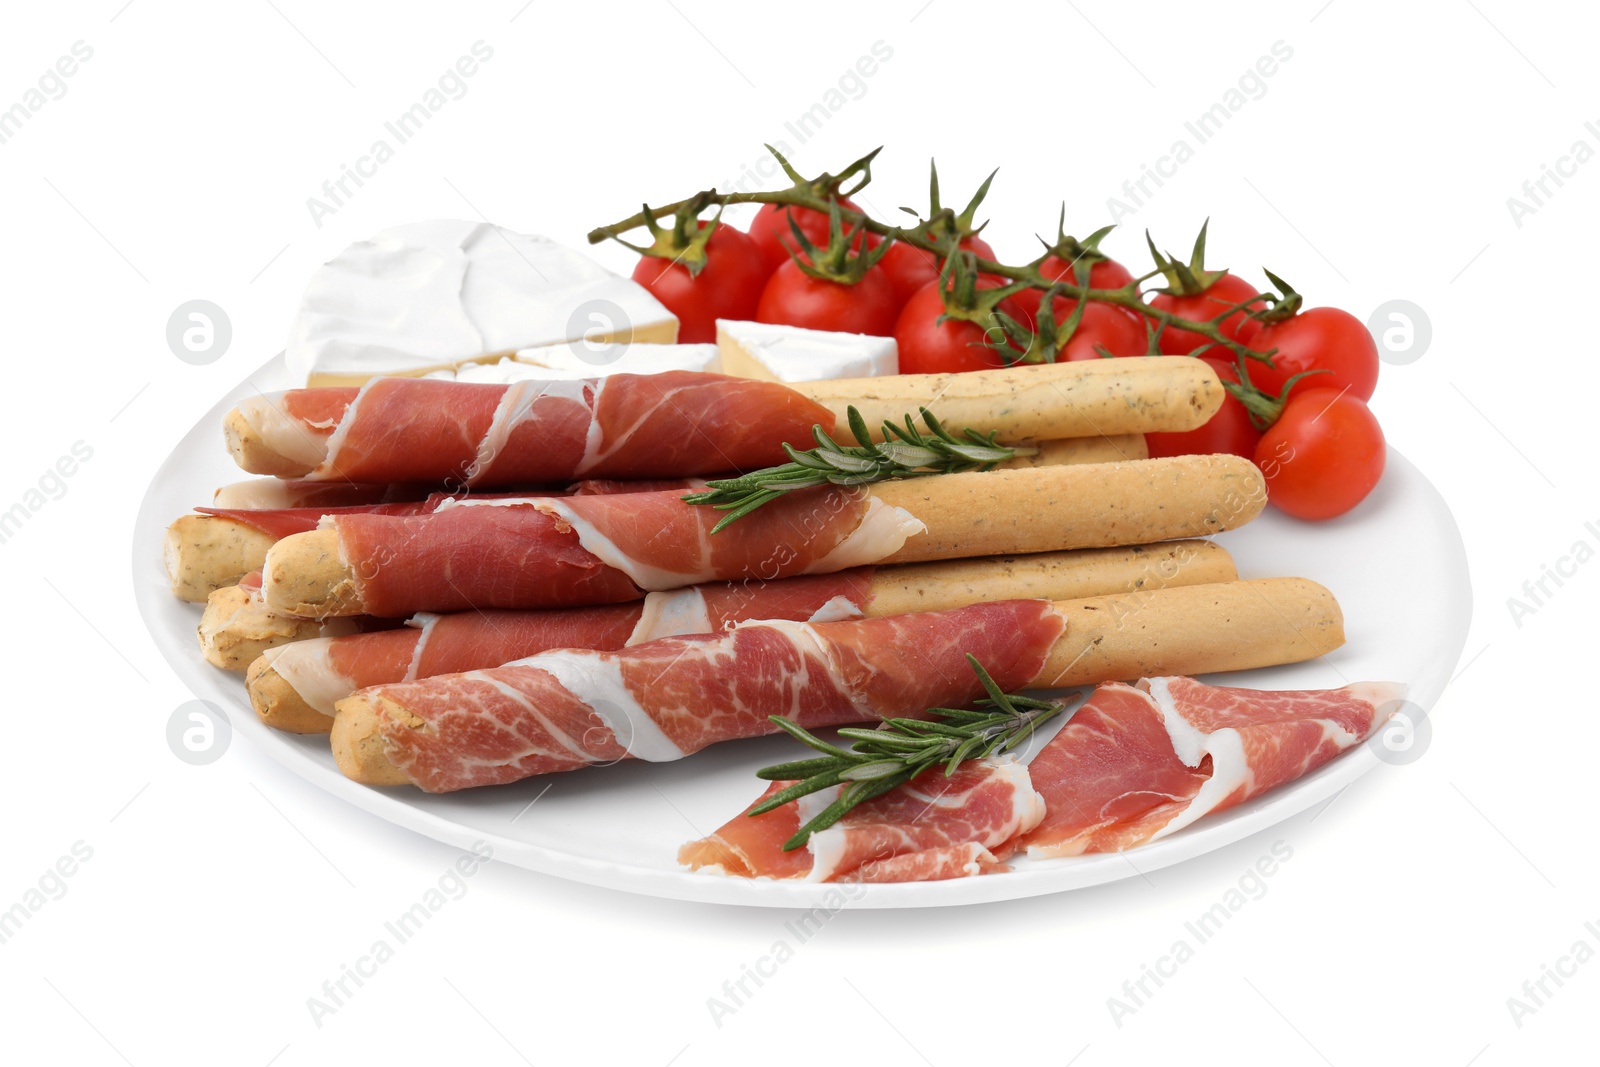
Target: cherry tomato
[
  {"x": 910, "y": 268},
  {"x": 1229, "y": 430},
  {"x": 1323, "y": 455},
  {"x": 1105, "y": 274},
  {"x": 1117, "y": 330},
  {"x": 770, "y": 230},
  {"x": 1318, "y": 338},
  {"x": 928, "y": 346},
  {"x": 1225, "y": 292},
  {"x": 727, "y": 287},
  {"x": 794, "y": 298}
]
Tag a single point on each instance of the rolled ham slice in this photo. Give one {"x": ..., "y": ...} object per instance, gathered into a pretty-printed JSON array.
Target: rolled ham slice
[
  {"x": 546, "y": 552},
  {"x": 278, "y": 523},
  {"x": 667, "y": 698},
  {"x": 1139, "y": 762},
  {"x": 561, "y": 552},
  {"x": 210, "y": 550},
  {"x": 318, "y": 673},
  {"x": 263, "y": 493},
  {"x": 465, "y": 434},
  {"x": 296, "y": 688}
]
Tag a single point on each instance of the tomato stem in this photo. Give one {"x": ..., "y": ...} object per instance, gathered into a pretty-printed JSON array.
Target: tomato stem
[{"x": 823, "y": 193}]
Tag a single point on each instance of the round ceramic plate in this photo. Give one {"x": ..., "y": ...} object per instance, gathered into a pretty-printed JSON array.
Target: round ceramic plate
[{"x": 1396, "y": 563}]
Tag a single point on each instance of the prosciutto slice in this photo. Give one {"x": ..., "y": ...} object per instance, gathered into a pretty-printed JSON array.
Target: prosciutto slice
[
  {"x": 547, "y": 552},
  {"x": 1137, "y": 763},
  {"x": 667, "y": 698},
  {"x": 932, "y": 828},
  {"x": 257, "y": 494},
  {"x": 280, "y": 522},
  {"x": 327, "y": 670},
  {"x": 664, "y": 425}
]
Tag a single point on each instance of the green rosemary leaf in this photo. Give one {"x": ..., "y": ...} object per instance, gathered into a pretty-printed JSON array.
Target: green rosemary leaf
[
  {"x": 801, "y": 788},
  {"x": 857, "y": 793},
  {"x": 805, "y": 737},
  {"x": 797, "y": 769},
  {"x": 904, "y": 453},
  {"x": 900, "y": 749}
]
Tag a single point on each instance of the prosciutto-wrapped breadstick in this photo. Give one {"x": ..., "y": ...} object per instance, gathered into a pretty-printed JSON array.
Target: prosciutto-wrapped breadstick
[
  {"x": 213, "y": 549},
  {"x": 679, "y": 423},
  {"x": 210, "y": 551},
  {"x": 218, "y": 547},
  {"x": 264, "y": 494},
  {"x": 294, "y": 687},
  {"x": 609, "y": 549},
  {"x": 665, "y": 699}
]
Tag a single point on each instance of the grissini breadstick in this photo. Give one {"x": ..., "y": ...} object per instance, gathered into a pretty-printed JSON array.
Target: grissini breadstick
[
  {"x": 1112, "y": 449},
  {"x": 1075, "y": 507},
  {"x": 1195, "y": 629},
  {"x": 210, "y": 551},
  {"x": 668, "y": 698},
  {"x": 237, "y": 626},
  {"x": 679, "y": 423},
  {"x": 574, "y": 551},
  {"x": 1039, "y": 402},
  {"x": 203, "y": 556},
  {"x": 207, "y": 552},
  {"x": 294, "y": 688}
]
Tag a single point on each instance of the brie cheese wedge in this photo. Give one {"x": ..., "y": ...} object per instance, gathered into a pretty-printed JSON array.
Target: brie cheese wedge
[
  {"x": 795, "y": 354},
  {"x": 596, "y": 359},
  {"x": 506, "y": 371},
  {"x": 435, "y": 295}
]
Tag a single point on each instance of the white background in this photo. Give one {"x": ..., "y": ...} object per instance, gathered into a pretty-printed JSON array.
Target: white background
[{"x": 1376, "y": 166}]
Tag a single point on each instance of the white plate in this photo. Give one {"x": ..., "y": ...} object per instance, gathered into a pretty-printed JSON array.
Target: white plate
[{"x": 1396, "y": 564}]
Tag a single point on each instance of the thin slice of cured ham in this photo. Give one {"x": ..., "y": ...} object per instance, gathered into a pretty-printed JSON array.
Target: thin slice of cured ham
[
  {"x": 667, "y": 698},
  {"x": 328, "y": 670},
  {"x": 1137, "y": 763},
  {"x": 932, "y": 828},
  {"x": 280, "y": 522},
  {"x": 666, "y": 425},
  {"x": 551, "y": 552},
  {"x": 256, "y": 494}
]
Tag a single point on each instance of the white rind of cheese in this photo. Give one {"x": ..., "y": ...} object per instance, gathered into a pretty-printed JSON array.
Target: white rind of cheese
[
  {"x": 508, "y": 371},
  {"x": 795, "y": 354},
  {"x": 441, "y": 293},
  {"x": 596, "y": 359}
]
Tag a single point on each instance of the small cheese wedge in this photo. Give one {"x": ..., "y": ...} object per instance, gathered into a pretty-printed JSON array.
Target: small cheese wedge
[
  {"x": 795, "y": 354},
  {"x": 596, "y": 359},
  {"x": 508, "y": 370},
  {"x": 435, "y": 295}
]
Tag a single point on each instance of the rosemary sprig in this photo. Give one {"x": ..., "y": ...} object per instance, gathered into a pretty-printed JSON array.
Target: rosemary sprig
[
  {"x": 905, "y": 452},
  {"x": 888, "y": 757}
]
